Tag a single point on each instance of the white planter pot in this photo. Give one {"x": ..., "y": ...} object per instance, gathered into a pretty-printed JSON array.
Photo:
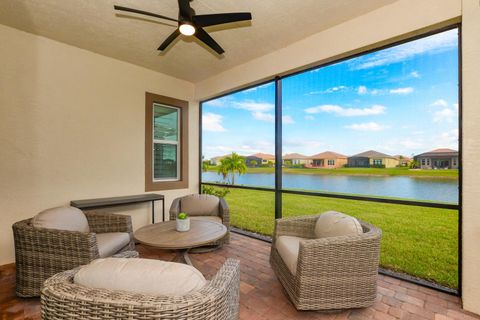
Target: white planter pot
[{"x": 183, "y": 224}]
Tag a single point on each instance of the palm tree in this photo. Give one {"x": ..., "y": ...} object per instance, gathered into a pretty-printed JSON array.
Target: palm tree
[{"x": 232, "y": 165}]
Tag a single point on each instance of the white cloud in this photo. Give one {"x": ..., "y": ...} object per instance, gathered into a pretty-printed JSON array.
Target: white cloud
[
  {"x": 212, "y": 122},
  {"x": 369, "y": 126},
  {"x": 430, "y": 45},
  {"x": 247, "y": 148},
  {"x": 446, "y": 115},
  {"x": 220, "y": 102},
  {"x": 347, "y": 112},
  {"x": 362, "y": 90},
  {"x": 439, "y": 103},
  {"x": 448, "y": 139},
  {"x": 287, "y": 120},
  {"x": 455, "y": 106},
  {"x": 309, "y": 117},
  {"x": 329, "y": 90},
  {"x": 412, "y": 144},
  {"x": 263, "y": 116},
  {"x": 406, "y": 90},
  {"x": 254, "y": 106},
  {"x": 415, "y": 74}
]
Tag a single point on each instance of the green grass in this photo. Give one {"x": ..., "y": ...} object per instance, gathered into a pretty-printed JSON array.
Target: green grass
[
  {"x": 451, "y": 174},
  {"x": 419, "y": 241}
]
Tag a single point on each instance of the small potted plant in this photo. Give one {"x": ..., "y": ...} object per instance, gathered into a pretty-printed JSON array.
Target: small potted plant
[{"x": 183, "y": 222}]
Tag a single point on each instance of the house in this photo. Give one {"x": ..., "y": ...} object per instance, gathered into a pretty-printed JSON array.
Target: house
[
  {"x": 403, "y": 161},
  {"x": 328, "y": 159},
  {"x": 295, "y": 159},
  {"x": 372, "y": 159},
  {"x": 215, "y": 161},
  {"x": 84, "y": 91},
  {"x": 438, "y": 159},
  {"x": 258, "y": 159}
]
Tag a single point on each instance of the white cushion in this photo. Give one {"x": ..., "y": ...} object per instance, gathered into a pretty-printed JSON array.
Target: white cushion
[
  {"x": 200, "y": 205},
  {"x": 288, "y": 248},
  {"x": 207, "y": 218},
  {"x": 335, "y": 224},
  {"x": 111, "y": 242},
  {"x": 62, "y": 218},
  {"x": 145, "y": 276}
]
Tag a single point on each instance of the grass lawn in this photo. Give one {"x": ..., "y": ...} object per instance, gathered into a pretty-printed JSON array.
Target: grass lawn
[
  {"x": 452, "y": 173},
  {"x": 419, "y": 241}
]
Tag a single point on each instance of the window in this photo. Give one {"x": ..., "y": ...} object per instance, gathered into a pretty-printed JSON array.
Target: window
[
  {"x": 166, "y": 144},
  {"x": 369, "y": 112},
  {"x": 166, "y": 156}
]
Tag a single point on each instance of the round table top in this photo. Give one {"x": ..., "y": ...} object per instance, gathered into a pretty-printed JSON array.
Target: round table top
[{"x": 164, "y": 235}]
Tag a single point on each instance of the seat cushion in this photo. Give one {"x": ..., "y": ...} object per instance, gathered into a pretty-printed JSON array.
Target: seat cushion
[
  {"x": 335, "y": 224},
  {"x": 62, "y": 218},
  {"x": 110, "y": 243},
  {"x": 145, "y": 276},
  {"x": 208, "y": 218},
  {"x": 288, "y": 248},
  {"x": 200, "y": 205}
]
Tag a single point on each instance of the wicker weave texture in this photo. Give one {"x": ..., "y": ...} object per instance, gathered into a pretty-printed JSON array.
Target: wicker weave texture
[
  {"x": 224, "y": 213},
  {"x": 41, "y": 253},
  {"x": 219, "y": 299},
  {"x": 332, "y": 273}
]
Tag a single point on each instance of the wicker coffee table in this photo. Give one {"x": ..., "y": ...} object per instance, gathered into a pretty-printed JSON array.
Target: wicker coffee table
[{"x": 164, "y": 236}]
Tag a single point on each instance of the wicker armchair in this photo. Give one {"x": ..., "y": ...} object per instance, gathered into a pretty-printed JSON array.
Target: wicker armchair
[
  {"x": 41, "y": 253},
  {"x": 219, "y": 299},
  {"x": 332, "y": 273},
  {"x": 203, "y": 206}
]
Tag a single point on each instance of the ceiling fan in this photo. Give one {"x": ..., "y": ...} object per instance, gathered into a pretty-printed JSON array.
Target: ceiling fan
[{"x": 190, "y": 24}]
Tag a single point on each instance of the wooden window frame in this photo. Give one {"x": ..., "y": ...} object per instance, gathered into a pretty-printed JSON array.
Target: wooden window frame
[{"x": 150, "y": 183}]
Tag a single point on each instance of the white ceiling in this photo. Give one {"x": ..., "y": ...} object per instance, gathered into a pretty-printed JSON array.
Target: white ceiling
[{"x": 94, "y": 25}]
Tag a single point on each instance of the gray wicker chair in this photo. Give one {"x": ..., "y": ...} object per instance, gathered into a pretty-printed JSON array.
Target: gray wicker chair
[
  {"x": 332, "y": 273},
  {"x": 202, "y": 208},
  {"x": 41, "y": 253},
  {"x": 219, "y": 299}
]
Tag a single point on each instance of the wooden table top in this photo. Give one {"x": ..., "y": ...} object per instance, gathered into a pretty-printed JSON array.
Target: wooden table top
[{"x": 164, "y": 235}]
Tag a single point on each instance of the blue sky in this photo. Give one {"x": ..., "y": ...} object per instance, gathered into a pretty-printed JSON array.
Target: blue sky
[{"x": 401, "y": 100}]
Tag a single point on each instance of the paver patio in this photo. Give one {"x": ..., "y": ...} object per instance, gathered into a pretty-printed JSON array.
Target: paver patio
[{"x": 262, "y": 296}]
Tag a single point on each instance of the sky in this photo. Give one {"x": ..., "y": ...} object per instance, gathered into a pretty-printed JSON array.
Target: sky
[{"x": 401, "y": 100}]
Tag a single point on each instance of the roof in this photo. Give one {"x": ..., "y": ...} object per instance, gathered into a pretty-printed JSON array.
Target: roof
[
  {"x": 291, "y": 156},
  {"x": 328, "y": 155},
  {"x": 398, "y": 156},
  {"x": 264, "y": 156},
  {"x": 372, "y": 154},
  {"x": 219, "y": 157},
  {"x": 439, "y": 152}
]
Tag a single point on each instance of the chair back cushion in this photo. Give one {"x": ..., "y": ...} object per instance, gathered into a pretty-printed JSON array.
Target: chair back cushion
[
  {"x": 62, "y": 218},
  {"x": 144, "y": 276},
  {"x": 111, "y": 243},
  {"x": 200, "y": 205},
  {"x": 335, "y": 224}
]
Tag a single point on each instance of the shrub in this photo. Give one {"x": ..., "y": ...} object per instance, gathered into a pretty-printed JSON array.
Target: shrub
[{"x": 218, "y": 192}]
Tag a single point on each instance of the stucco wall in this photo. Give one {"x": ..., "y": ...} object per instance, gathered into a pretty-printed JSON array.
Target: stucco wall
[
  {"x": 72, "y": 127},
  {"x": 471, "y": 153}
]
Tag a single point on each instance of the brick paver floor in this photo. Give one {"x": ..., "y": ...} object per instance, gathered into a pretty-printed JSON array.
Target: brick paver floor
[{"x": 262, "y": 296}]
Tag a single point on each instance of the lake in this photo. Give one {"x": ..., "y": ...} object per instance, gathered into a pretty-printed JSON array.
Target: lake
[{"x": 430, "y": 189}]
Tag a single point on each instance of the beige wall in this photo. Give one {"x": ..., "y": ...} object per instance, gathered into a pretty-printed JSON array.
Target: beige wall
[
  {"x": 72, "y": 127},
  {"x": 471, "y": 153}
]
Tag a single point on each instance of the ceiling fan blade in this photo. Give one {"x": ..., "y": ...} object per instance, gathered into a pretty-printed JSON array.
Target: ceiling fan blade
[
  {"x": 169, "y": 40},
  {"x": 205, "y": 20},
  {"x": 185, "y": 10},
  {"x": 120, "y": 8},
  {"x": 203, "y": 36}
]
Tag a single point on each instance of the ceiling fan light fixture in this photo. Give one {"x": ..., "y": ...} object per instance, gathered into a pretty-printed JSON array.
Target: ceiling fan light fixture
[{"x": 187, "y": 29}]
